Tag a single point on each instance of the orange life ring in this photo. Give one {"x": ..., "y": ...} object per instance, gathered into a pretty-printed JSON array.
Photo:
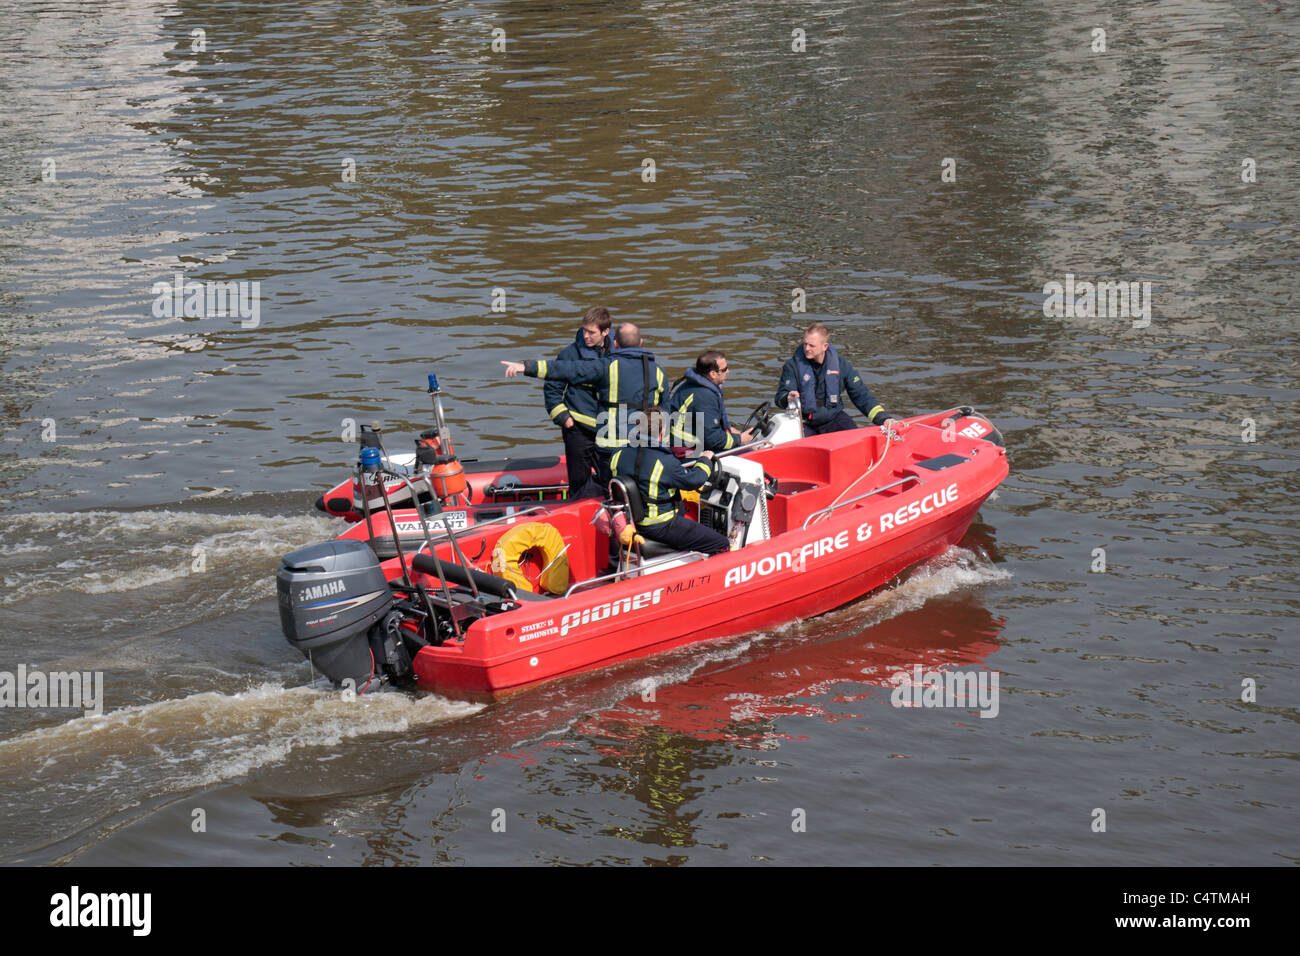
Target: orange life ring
[{"x": 537, "y": 545}]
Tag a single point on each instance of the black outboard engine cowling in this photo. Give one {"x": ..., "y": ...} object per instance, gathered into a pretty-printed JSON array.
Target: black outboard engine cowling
[{"x": 330, "y": 595}]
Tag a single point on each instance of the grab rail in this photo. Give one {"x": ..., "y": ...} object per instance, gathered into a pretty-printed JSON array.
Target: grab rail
[
  {"x": 495, "y": 490},
  {"x": 841, "y": 504},
  {"x": 688, "y": 555}
]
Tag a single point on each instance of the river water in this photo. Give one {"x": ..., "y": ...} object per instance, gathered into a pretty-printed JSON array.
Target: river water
[{"x": 920, "y": 169}]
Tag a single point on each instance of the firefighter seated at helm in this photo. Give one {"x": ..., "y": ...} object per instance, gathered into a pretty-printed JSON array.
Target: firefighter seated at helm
[{"x": 660, "y": 477}]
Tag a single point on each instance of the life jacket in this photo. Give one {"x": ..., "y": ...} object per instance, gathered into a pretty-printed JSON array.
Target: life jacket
[
  {"x": 626, "y": 389},
  {"x": 808, "y": 373},
  {"x": 646, "y": 467}
]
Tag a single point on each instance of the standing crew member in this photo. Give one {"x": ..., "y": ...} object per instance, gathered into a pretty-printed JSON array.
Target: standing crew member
[
  {"x": 659, "y": 475},
  {"x": 699, "y": 411},
  {"x": 574, "y": 407},
  {"x": 816, "y": 374},
  {"x": 626, "y": 380}
]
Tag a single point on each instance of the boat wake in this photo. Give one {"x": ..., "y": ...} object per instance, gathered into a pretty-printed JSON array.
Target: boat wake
[
  {"x": 105, "y": 552},
  {"x": 91, "y": 767},
  {"x": 956, "y": 570},
  {"x": 114, "y": 576}
]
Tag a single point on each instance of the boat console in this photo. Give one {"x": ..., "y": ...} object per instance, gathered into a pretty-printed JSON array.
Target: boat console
[{"x": 734, "y": 502}]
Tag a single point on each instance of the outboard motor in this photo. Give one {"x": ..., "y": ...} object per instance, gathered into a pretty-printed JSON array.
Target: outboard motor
[{"x": 331, "y": 596}]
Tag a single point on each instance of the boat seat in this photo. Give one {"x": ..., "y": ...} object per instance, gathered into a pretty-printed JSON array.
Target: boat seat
[
  {"x": 655, "y": 549},
  {"x": 511, "y": 464},
  {"x": 628, "y": 494}
]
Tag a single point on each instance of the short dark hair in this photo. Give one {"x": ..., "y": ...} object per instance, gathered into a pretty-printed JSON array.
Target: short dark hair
[
  {"x": 597, "y": 315},
  {"x": 708, "y": 362},
  {"x": 654, "y": 422},
  {"x": 629, "y": 336}
]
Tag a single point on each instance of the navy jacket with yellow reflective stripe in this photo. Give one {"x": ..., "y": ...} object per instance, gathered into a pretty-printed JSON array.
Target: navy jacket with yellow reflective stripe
[
  {"x": 660, "y": 478},
  {"x": 693, "y": 405},
  {"x": 579, "y": 401},
  {"x": 851, "y": 382},
  {"x": 617, "y": 378}
]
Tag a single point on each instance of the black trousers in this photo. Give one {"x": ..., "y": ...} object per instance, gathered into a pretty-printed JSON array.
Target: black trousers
[
  {"x": 840, "y": 423},
  {"x": 581, "y": 457},
  {"x": 683, "y": 534}
]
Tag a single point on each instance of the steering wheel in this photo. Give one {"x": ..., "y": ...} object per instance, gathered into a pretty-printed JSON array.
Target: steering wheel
[{"x": 761, "y": 416}]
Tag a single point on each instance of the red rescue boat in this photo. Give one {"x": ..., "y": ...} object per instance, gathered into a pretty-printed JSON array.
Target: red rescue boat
[{"x": 815, "y": 524}]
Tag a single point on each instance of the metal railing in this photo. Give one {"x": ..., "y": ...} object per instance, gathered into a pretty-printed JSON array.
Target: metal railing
[
  {"x": 841, "y": 504},
  {"x": 638, "y": 570}
]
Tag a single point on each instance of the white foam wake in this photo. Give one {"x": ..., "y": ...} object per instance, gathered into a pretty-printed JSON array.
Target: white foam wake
[
  {"x": 176, "y": 745},
  {"x": 107, "y": 552}
]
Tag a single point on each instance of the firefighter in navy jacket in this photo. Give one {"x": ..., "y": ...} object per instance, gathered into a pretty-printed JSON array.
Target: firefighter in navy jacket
[
  {"x": 620, "y": 379},
  {"x": 820, "y": 376},
  {"x": 662, "y": 477},
  {"x": 575, "y": 407},
  {"x": 699, "y": 410}
]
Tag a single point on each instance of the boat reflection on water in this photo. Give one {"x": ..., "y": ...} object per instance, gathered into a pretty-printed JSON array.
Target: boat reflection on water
[
  {"x": 833, "y": 677},
  {"x": 663, "y": 744}
]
